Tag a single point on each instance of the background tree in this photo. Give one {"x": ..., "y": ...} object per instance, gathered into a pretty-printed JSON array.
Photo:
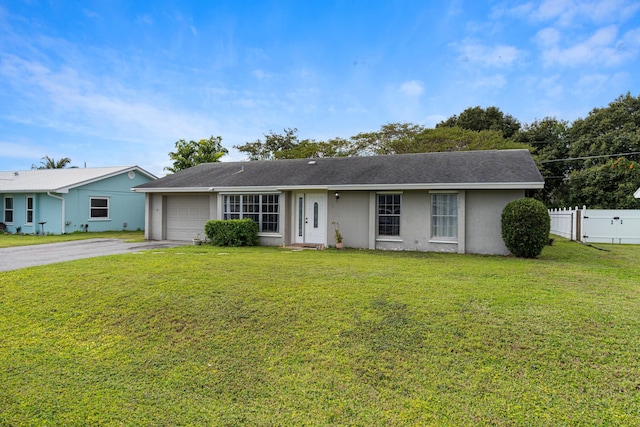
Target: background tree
[
  {"x": 478, "y": 118},
  {"x": 192, "y": 153},
  {"x": 611, "y": 130},
  {"x": 383, "y": 141},
  {"x": 450, "y": 139},
  {"x": 310, "y": 149},
  {"x": 549, "y": 139},
  {"x": 609, "y": 185},
  {"x": 602, "y": 179},
  {"x": 50, "y": 163},
  {"x": 273, "y": 144}
]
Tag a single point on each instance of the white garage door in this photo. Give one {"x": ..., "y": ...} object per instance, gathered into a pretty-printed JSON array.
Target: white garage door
[{"x": 186, "y": 216}]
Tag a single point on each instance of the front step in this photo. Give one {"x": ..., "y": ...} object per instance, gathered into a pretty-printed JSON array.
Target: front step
[{"x": 316, "y": 246}]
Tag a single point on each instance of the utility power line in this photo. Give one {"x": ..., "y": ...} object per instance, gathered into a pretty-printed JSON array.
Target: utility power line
[{"x": 589, "y": 157}]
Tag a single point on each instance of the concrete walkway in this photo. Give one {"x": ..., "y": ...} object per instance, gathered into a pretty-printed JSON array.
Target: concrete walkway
[{"x": 28, "y": 256}]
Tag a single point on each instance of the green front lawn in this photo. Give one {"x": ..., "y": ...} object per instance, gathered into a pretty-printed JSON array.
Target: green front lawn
[
  {"x": 9, "y": 240},
  {"x": 271, "y": 337}
]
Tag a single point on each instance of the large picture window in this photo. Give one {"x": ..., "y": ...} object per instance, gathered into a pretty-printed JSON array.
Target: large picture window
[
  {"x": 8, "y": 210},
  {"x": 264, "y": 209},
  {"x": 99, "y": 208},
  {"x": 389, "y": 214},
  {"x": 444, "y": 216}
]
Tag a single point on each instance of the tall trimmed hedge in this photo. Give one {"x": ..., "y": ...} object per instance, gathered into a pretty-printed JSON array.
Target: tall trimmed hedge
[
  {"x": 232, "y": 232},
  {"x": 525, "y": 227}
]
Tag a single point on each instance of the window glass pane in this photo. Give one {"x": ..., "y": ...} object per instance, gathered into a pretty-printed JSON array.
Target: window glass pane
[
  {"x": 99, "y": 208},
  {"x": 444, "y": 215},
  {"x": 300, "y": 213},
  {"x": 29, "y": 210},
  {"x": 315, "y": 215},
  {"x": 263, "y": 209},
  {"x": 389, "y": 214},
  {"x": 99, "y": 203},
  {"x": 8, "y": 209}
]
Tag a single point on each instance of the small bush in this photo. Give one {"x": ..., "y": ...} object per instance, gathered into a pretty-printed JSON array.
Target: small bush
[
  {"x": 232, "y": 232},
  {"x": 525, "y": 227}
]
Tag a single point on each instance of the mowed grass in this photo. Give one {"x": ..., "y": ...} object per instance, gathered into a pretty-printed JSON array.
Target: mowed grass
[
  {"x": 274, "y": 337},
  {"x": 11, "y": 240}
]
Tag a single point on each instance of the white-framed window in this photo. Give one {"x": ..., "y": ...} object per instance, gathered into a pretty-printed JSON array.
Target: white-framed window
[
  {"x": 389, "y": 214},
  {"x": 30, "y": 210},
  {"x": 98, "y": 208},
  {"x": 444, "y": 216},
  {"x": 8, "y": 210},
  {"x": 264, "y": 209}
]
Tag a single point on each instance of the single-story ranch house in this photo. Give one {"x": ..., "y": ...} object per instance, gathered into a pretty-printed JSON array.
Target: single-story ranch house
[
  {"x": 61, "y": 201},
  {"x": 448, "y": 202}
]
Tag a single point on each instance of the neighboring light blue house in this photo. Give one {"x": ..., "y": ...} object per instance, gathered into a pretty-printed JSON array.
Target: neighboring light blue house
[{"x": 62, "y": 201}]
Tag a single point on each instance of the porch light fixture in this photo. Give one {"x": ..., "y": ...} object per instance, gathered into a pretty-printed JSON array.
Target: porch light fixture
[{"x": 337, "y": 195}]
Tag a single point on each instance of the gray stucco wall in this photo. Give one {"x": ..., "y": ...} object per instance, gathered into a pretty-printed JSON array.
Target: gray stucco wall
[
  {"x": 479, "y": 221},
  {"x": 484, "y": 220},
  {"x": 351, "y": 212}
]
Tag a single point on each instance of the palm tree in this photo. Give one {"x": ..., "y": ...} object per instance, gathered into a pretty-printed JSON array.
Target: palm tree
[{"x": 49, "y": 163}]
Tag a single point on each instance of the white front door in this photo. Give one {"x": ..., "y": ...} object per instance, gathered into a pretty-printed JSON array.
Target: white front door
[{"x": 311, "y": 218}]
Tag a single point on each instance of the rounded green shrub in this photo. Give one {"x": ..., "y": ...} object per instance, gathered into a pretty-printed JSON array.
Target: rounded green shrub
[{"x": 525, "y": 227}]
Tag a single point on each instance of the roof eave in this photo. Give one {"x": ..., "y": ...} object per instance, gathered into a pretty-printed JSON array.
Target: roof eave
[
  {"x": 172, "y": 190},
  {"x": 352, "y": 187},
  {"x": 120, "y": 171}
]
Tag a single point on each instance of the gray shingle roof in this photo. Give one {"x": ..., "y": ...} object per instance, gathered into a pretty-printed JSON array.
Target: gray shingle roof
[{"x": 476, "y": 169}]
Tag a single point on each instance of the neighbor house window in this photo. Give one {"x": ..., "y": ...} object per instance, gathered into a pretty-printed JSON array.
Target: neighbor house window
[
  {"x": 389, "y": 214},
  {"x": 29, "y": 210},
  {"x": 99, "y": 208},
  {"x": 264, "y": 209},
  {"x": 8, "y": 210},
  {"x": 444, "y": 216}
]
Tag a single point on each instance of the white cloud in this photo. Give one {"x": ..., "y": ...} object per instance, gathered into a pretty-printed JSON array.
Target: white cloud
[
  {"x": 412, "y": 88},
  {"x": 488, "y": 56},
  {"x": 496, "y": 82},
  {"x": 602, "y": 48},
  {"x": 19, "y": 150},
  {"x": 551, "y": 86},
  {"x": 92, "y": 106},
  {"x": 548, "y": 37},
  {"x": 144, "y": 19},
  {"x": 262, "y": 75},
  {"x": 565, "y": 13}
]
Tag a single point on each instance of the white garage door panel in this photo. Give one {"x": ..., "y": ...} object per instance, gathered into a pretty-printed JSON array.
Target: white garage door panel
[{"x": 186, "y": 216}]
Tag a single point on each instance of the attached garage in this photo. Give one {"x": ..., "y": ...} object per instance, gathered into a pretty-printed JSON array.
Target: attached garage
[{"x": 186, "y": 216}]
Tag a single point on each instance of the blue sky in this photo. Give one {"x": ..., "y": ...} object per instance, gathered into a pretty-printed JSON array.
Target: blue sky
[{"x": 110, "y": 83}]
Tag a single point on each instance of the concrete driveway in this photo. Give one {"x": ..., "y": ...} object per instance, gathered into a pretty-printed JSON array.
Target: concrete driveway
[{"x": 28, "y": 256}]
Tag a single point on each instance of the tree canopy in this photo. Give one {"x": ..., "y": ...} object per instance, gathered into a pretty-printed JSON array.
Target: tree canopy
[
  {"x": 593, "y": 161},
  {"x": 392, "y": 138},
  {"x": 193, "y": 153},
  {"x": 478, "y": 119},
  {"x": 49, "y": 163},
  {"x": 607, "y": 144},
  {"x": 549, "y": 139}
]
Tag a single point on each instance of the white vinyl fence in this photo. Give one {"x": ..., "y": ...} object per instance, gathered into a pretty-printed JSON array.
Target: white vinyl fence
[{"x": 620, "y": 226}]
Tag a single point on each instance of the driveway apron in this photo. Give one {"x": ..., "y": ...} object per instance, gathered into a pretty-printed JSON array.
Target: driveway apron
[{"x": 28, "y": 256}]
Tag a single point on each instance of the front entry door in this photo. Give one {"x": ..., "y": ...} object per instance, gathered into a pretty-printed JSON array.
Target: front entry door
[{"x": 311, "y": 224}]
